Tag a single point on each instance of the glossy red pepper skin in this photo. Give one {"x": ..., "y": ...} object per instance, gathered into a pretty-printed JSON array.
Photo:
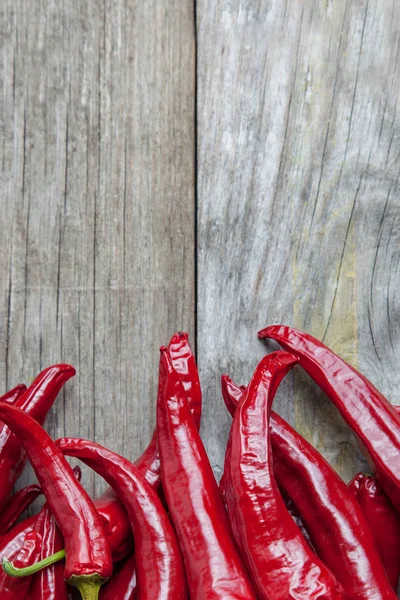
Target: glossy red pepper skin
[
  {"x": 35, "y": 401},
  {"x": 116, "y": 524},
  {"x": 11, "y": 543},
  {"x": 213, "y": 567},
  {"x": 325, "y": 506},
  {"x": 49, "y": 584},
  {"x": 12, "y": 395},
  {"x": 184, "y": 363},
  {"x": 22, "y": 553},
  {"x": 159, "y": 566},
  {"x": 383, "y": 520},
  {"x": 122, "y": 585},
  {"x": 280, "y": 561},
  {"x": 87, "y": 550},
  {"x": 363, "y": 407},
  {"x": 16, "y": 505}
]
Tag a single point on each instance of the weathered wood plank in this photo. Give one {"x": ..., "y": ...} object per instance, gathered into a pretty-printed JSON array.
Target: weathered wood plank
[
  {"x": 298, "y": 146},
  {"x": 97, "y": 203}
]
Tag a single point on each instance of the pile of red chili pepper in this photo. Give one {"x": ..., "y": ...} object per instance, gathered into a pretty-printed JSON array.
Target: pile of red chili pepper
[{"x": 280, "y": 525}]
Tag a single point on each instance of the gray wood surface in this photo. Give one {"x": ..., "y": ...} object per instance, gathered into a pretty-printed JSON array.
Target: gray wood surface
[
  {"x": 97, "y": 204},
  {"x": 298, "y": 167},
  {"x": 106, "y": 236}
]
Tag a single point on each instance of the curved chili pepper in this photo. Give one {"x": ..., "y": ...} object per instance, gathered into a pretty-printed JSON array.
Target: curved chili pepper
[
  {"x": 383, "y": 520},
  {"x": 88, "y": 555},
  {"x": 363, "y": 407},
  {"x": 122, "y": 585},
  {"x": 49, "y": 583},
  {"x": 232, "y": 394},
  {"x": 35, "y": 401},
  {"x": 280, "y": 561},
  {"x": 16, "y": 506},
  {"x": 15, "y": 537},
  {"x": 159, "y": 567},
  {"x": 213, "y": 567},
  {"x": 325, "y": 506}
]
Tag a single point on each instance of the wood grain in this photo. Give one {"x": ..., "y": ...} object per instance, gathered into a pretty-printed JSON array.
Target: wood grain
[
  {"x": 97, "y": 204},
  {"x": 298, "y": 198}
]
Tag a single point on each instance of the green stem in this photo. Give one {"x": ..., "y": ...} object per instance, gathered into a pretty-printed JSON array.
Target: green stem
[
  {"x": 9, "y": 568},
  {"x": 88, "y": 585}
]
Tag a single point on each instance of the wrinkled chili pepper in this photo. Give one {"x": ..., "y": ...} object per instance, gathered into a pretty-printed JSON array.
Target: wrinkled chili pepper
[
  {"x": 363, "y": 407},
  {"x": 11, "y": 543},
  {"x": 88, "y": 555},
  {"x": 49, "y": 583},
  {"x": 383, "y": 520},
  {"x": 213, "y": 567},
  {"x": 184, "y": 363},
  {"x": 326, "y": 507},
  {"x": 280, "y": 561},
  {"x": 22, "y": 554},
  {"x": 159, "y": 567},
  {"x": 232, "y": 394},
  {"x": 35, "y": 401},
  {"x": 122, "y": 585},
  {"x": 16, "y": 506}
]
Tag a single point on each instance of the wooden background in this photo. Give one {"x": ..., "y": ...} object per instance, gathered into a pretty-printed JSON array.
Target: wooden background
[{"x": 213, "y": 166}]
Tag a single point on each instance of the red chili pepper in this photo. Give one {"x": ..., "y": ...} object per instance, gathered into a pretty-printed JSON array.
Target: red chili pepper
[
  {"x": 15, "y": 537},
  {"x": 363, "y": 407},
  {"x": 49, "y": 583},
  {"x": 122, "y": 585},
  {"x": 280, "y": 561},
  {"x": 116, "y": 524},
  {"x": 16, "y": 506},
  {"x": 12, "y": 395},
  {"x": 35, "y": 401},
  {"x": 24, "y": 552},
  {"x": 159, "y": 567},
  {"x": 383, "y": 520},
  {"x": 11, "y": 543},
  {"x": 88, "y": 556},
  {"x": 326, "y": 507},
  {"x": 213, "y": 567},
  {"x": 184, "y": 363},
  {"x": 108, "y": 505}
]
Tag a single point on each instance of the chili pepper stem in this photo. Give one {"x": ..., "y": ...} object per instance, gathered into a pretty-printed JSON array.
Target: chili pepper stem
[
  {"x": 9, "y": 568},
  {"x": 88, "y": 585}
]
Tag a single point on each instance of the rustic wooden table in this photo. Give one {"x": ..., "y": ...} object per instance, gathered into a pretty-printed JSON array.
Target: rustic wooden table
[{"x": 212, "y": 166}]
